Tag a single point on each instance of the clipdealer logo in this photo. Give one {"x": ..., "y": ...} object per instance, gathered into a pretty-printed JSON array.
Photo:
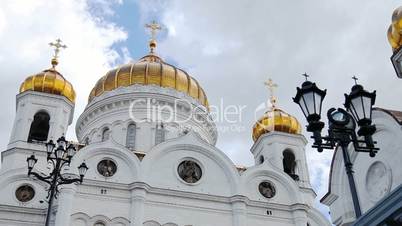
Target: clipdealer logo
[{"x": 225, "y": 117}]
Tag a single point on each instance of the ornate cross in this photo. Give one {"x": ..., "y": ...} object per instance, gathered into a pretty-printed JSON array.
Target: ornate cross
[
  {"x": 154, "y": 28},
  {"x": 271, "y": 87},
  {"x": 355, "y": 78},
  {"x": 57, "y": 46}
]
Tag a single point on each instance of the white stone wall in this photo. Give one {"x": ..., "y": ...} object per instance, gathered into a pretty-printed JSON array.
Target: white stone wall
[{"x": 148, "y": 191}]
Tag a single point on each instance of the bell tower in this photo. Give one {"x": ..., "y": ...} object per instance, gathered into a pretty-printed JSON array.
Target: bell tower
[
  {"x": 278, "y": 141},
  {"x": 44, "y": 106}
]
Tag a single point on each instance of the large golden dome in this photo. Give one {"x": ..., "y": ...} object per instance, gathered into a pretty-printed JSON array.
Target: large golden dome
[
  {"x": 49, "y": 81},
  {"x": 150, "y": 70},
  {"x": 276, "y": 120},
  {"x": 395, "y": 30}
]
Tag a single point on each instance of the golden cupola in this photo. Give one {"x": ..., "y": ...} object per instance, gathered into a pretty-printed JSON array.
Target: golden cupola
[
  {"x": 150, "y": 70},
  {"x": 50, "y": 80},
  {"x": 395, "y": 30},
  {"x": 275, "y": 119}
]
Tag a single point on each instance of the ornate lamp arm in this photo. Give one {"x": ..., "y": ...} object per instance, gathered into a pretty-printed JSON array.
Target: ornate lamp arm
[
  {"x": 70, "y": 181},
  {"x": 65, "y": 162},
  {"x": 41, "y": 178}
]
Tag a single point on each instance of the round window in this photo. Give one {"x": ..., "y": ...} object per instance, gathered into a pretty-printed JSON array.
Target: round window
[
  {"x": 107, "y": 168},
  {"x": 25, "y": 193},
  {"x": 189, "y": 171},
  {"x": 267, "y": 189}
]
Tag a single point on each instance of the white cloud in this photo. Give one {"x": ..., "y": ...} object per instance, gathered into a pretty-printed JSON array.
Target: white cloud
[{"x": 26, "y": 28}]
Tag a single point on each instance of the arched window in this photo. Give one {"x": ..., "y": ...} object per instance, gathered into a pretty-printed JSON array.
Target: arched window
[
  {"x": 131, "y": 132},
  {"x": 289, "y": 164},
  {"x": 87, "y": 141},
  {"x": 99, "y": 223},
  {"x": 159, "y": 134},
  {"x": 39, "y": 130},
  {"x": 105, "y": 134},
  {"x": 262, "y": 159}
]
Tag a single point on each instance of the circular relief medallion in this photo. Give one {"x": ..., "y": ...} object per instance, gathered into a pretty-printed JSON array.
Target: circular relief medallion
[
  {"x": 107, "y": 168},
  {"x": 189, "y": 171},
  {"x": 25, "y": 193},
  {"x": 267, "y": 189},
  {"x": 378, "y": 180}
]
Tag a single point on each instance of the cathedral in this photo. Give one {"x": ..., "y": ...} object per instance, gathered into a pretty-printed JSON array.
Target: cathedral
[{"x": 148, "y": 140}]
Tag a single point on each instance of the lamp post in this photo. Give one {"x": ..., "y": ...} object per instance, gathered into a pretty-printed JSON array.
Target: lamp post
[
  {"x": 60, "y": 157},
  {"x": 341, "y": 125}
]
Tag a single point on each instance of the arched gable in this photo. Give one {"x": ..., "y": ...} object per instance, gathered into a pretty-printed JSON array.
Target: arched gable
[
  {"x": 151, "y": 223},
  {"x": 78, "y": 219},
  {"x": 11, "y": 180},
  {"x": 286, "y": 188},
  {"x": 219, "y": 177},
  {"x": 128, "y": 165}
]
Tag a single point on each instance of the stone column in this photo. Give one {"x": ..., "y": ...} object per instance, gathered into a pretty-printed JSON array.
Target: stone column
[
  {"x": 239, "y": 210},
  {"x": 300, "y": 217},
  {"x": 64, "y": 205},
  {"x": 137, "y": 206}
]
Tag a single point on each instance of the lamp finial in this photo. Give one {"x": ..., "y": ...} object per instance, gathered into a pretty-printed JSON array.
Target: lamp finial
[
  {"x": 355, "y": 78},
  {"x": 306, "y": 76}
]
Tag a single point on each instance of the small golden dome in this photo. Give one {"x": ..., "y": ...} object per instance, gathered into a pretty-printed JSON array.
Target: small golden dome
[
  {"x": 276, "y": 120},
  {"x": 394, "y": 32},
  {"x": 49, "y": 81},
  {"x": 150, "y": 70}
]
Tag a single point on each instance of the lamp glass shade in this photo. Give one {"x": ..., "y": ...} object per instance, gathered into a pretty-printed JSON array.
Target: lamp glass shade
[
  {"x": 31, "y": 162},
  {"x": 61, "y": 142},
  {"x": 59, "y": 152},
  {"x": 82, "y": 169},
  {"x": 50, "y": 147},
  {"x": 360, "y": 104},
  {"x": 309, "y": 97},
  {"x": 70, "y": 151}
]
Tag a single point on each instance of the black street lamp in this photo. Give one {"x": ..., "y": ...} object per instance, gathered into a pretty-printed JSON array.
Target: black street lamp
[
  {"x": 60, "y": 157},
  {"x": 341, "y": 125}
]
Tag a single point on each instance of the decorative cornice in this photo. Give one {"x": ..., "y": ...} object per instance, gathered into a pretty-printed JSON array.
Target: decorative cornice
[
  {"x": 145, "y": 89},
  {"x": 22, "y": 209},
  {"x": 44, "y": 95}
]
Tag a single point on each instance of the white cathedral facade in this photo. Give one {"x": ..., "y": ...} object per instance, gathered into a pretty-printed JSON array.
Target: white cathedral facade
[
  {"x": 146, "y": 172},
  {"x": 148, "y": 139}
]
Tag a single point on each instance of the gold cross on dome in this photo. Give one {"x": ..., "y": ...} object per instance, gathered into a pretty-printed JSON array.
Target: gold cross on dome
[
  {"x": 154, "y": 28},
  {"x": 271, "y": 87},
  {"x": 57, "y": 46}
]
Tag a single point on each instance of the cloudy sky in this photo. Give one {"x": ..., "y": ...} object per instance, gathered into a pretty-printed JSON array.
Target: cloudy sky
[{"x": 229, "y": 46}]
